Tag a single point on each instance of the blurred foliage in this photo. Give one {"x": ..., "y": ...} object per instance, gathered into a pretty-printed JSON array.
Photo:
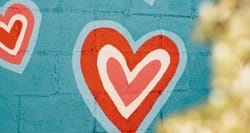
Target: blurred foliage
[{"x": 226, "y": 25}]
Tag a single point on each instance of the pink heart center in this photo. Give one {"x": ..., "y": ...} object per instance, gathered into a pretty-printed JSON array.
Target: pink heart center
[{"x": 130, "y": 91}]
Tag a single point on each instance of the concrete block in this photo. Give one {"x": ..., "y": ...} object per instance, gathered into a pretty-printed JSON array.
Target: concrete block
[
  {"x": 59, "y": 31},
  {"x": 195, "y": 7},
  {"x": 9, "y": 114},
  {"x": 37, "y": 79},
  {"x": 57, "y": 114},
  {"x": 165, "y": 7}
]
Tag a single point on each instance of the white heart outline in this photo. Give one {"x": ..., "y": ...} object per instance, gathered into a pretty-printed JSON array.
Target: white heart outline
[
  {"x": 109, "y": 51},
  {"x": 21, "y": 36},
  {"x": 19, "y": 68},
  {"x": 85, "y": 92}
]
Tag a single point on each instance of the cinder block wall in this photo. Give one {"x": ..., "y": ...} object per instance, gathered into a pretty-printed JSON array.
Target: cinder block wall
[{"x": 45, "y": 98}]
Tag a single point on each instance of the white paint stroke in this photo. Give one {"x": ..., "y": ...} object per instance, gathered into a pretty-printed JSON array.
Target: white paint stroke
[{"x": 150, "y": 2}]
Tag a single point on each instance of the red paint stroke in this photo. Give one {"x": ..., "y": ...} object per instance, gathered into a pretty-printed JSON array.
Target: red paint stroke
[
  {"x": 9, "y": 39},
  {"x": 94, "y": 42}
]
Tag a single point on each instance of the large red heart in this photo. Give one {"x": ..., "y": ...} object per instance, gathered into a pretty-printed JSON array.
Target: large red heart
[
  {"x": 94, "y": 50},
  {"x": 16, "y": 27}
]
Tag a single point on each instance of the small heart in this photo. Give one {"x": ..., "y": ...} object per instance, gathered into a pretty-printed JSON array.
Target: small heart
[
  {"x": 19, "y": 26},
  {"x": 124, "y": 89},
  {"x": 13, "y": 34},
  {"x": 150, "y": 2}
]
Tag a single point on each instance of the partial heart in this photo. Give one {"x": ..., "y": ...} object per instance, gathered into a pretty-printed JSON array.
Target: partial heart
[
  {"x": 19, "y": 27},
  {"x": 150, "y": 2},
  {"x": 12, "y": 35},
  {"x": 126, "y": 90}
]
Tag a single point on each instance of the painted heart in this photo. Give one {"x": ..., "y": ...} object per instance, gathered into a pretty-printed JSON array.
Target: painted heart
[
  {"x": 150, "y": 2},
  {"x": 19, "y": 27},
  {"x": 128, "y": 89},
  {"x": 125, "y": 90}
]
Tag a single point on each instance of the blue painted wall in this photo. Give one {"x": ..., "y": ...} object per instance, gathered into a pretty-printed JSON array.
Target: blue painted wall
[{"x": 45, "y": 98}]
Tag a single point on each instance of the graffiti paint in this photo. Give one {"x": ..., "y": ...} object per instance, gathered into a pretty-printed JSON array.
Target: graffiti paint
[
  {"x": 150, "y": 2},
  {"x": 124, "y": 86},
  {"x": 126, "y": 98},
  {"x": 19, "y": 26}
]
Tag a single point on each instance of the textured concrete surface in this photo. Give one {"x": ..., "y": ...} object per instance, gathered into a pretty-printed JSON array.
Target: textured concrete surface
[{"x": 45, "y": 98}]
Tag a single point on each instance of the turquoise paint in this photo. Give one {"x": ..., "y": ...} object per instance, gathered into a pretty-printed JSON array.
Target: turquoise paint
[{"x": 45, "y": 97}]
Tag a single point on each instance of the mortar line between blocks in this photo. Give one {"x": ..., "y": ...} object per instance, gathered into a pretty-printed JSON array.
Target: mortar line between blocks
[{"x": 19, "y": 114}]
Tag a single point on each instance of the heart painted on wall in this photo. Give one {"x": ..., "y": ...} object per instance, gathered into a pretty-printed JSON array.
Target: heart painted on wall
[
  {"x": 19, "y": 25},
  {"x": 129, "y": 78},
  {"x": 150, "y": 2},
  {"x": 123, "y": 82}
]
